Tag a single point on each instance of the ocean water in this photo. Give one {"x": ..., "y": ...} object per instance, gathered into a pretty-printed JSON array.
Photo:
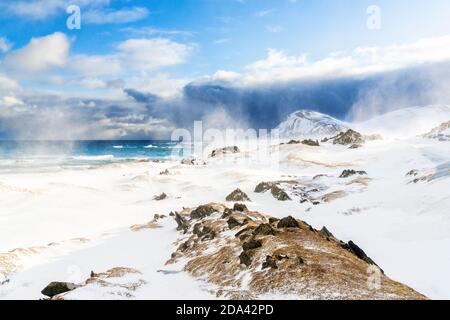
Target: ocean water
[{"x": 22, "y": 155}]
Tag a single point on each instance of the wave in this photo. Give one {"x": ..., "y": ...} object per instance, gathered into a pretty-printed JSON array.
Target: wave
[
  {"x": 118, "y": 147},
  {"x": 150, "y": 146},
  {"x": 94, "y": 158}
]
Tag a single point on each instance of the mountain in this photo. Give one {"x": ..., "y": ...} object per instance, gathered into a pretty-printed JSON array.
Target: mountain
[
  {"x": 407, "y": 122},
  {"x": 307, "y": 123},
  {"x": 441, "y": 133}
]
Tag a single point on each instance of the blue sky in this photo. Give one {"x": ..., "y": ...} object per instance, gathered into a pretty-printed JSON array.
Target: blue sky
[{"x": 158, "y": 47}]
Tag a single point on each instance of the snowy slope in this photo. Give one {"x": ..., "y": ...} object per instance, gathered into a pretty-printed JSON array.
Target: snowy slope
[
  {"x": 406, "y": 122},
  {"x": 306, "y": 123}
]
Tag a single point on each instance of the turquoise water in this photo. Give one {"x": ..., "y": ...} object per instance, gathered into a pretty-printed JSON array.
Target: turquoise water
[{"x": 25, "y": 154}]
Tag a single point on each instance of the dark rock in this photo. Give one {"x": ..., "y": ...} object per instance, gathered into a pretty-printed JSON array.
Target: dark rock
[
  {"x": 164, "y": 173},
  {"x": 183, "y": 225},
  {"x": 245, "y": 259},
  {"x": 357, "y": 251},
  {"x": 300, "y": 260},
  {"x": 282, "y": 257},
  {"x": 233, "y": 223},
  {"x": 226, "y": 213},
  {"x": 270, "y": 263},
  {"x": 326, "y": 233},
  {"x": 288, "y": 222},
  {"x": 311, "y": 143},
  {"x": 264, "y": 229},
  {"x": 172, "y": 214},
  {"x": 273, "y": 220},
  {"x": 350, "y": 137},
  {"x": 263, "y": 187},
  {"x": 251, "y": 245},
  {"x": 226, "y": 150},
  {"x": 55, "y": 288},
  {"x": 162, "y": 196},
  {"x": 293, "y": 142},
  {"x": 279, "y": 194},
  {"x": 413, "y": 173},
  {"x": 349, "y": 173},
  {"x": 240, "y": 207},
  {"x": 202, "y": 212},
  {"x": 237, "y": 195}
]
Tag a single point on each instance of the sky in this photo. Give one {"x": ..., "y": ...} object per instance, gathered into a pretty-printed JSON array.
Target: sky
[{"x": 125, "y": 69}]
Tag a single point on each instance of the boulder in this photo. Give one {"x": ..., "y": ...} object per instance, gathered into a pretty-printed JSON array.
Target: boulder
[
  {"x": 240, "y": 207},
  {"x": 264, "y": 229},
  {"x": 263, "y": 187},
  {"x": 245, "y": 259},
  {"x": 349, "y": 173},
  {"x": 279, "y": 193},
  {"x": 55, "y": 288},
  {"x": 183, "y": 225},
  {"x": 288, "y": 222},
  {"x": 237, "y": 195},
  {"x": 326, "y": 233},
  {"x": 233, "y": 223},
  {"x": 202, "y": 212},
  {"x": 226, "y": 150},
  {"x": 161, "y": 197},
  {"x": 270, "y": 263},
  {"x": 350, "y": 137},
  {"x": 251, "y": 245},
  {"x": 311, "y": 143}
]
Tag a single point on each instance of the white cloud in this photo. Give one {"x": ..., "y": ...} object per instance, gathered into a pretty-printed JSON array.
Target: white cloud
[
  {"x": 222, "y": 40},
  {"x": 150, "y": 54},
  {"x": 123, "y": 15},
  {"x": 42, "y": 9},
  {"x": 4, "y": 44},
  {"x": 7, "y": 84},
  {"x": 162, "y": 84},
  {"x": 96, "y": 65},
  {"x": 278, "y": 66},
  {"x": 39, "y": 54}
]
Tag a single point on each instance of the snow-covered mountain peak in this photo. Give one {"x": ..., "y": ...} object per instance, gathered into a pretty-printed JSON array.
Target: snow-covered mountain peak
[{"x": 308, "y": 123}]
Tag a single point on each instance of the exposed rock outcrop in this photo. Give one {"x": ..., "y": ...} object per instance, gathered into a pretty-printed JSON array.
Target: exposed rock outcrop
[
  {"x": 55, "y": 288},
  {"x": 237, "y": 196},
  {"x": 349, "y": 173},
  {"x": 226, "y": 150},
  {"x": 284, "y": 257}
]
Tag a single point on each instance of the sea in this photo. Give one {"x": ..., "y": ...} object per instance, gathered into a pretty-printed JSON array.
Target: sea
[{"x": 23, "y": 155}]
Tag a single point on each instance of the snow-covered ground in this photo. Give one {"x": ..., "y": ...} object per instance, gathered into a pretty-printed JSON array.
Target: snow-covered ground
[{"x": 73, "y": 221}]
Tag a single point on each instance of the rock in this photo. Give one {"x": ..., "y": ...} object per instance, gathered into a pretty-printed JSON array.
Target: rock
[
  {"x": 294, "y": 142},
  {"x": 413, "y": 173},
  {"x": 202, "y": 212},
  {"x": 251, "y": 245},
  {"x": 311, "y": 143},
  {"x": 162, "y": 196},
  {"x": 240, "y": 207},
  {"x": 350, "y": 137},
  {"x": 288, "y": 222},
  {"x": 263, "y": 187},
  {"x": 245, "y": 259},
  {"x": 357, "y": 251},
  {"x": 193, "y": 162},
  {"x": 279, "y": 194},
  {"x": 183, "y": 225},
  {"x": 164, "y": 173},
  {"x": 233, "y": 223},
  {"x": 55, "y": 288},
  {"x": 326, "y": 233},
  {"x": 226, "y": 150},
  {"x": 237, "y": 195},
  {"x": 273, "y": 220},
  {"x": 270, "y": 263},
  {"x": 203, "y": 232},
  {"x": 264, "y": 229},
  {"x": 349, "y": 173},
  {"x": 171, "y": 214}
]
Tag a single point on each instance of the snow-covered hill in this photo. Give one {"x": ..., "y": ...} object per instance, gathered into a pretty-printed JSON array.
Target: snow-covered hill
[
  {"x": 306, "y": 123},
  {"x": 407, "y": 122}
]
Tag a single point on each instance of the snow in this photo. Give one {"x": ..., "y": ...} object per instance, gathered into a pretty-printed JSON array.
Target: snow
[
  {"x": 310, "y": 124},
  {"x": 403, "y": 226}
]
